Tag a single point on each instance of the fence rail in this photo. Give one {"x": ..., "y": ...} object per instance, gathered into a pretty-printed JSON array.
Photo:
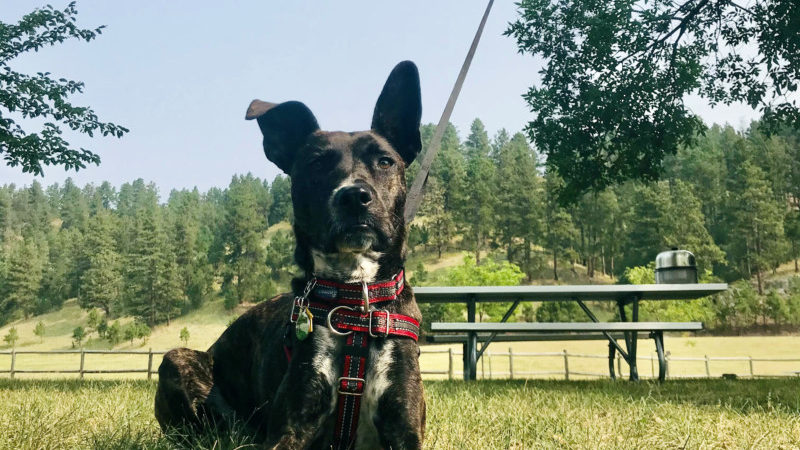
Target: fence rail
[
  {"x": 566, "y": 372},
  {"x": 81, "y": 371},
  {"x": 509, "y": 371}
]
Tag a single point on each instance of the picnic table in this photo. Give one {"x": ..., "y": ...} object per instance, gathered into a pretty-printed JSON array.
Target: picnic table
[{"x": 622, "y": 295}]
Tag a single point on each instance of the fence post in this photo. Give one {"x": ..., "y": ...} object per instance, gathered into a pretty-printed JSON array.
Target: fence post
[
  {"x": 82, "y": 357},
  {"x": 666, "y": 364},
  {"x": 708, "y": 370},
  {"x": 13, "y": 361},
  {"x": 150, "y": 364},
  {"x": 751, "y": 368},
  {"x": 566, "y": 365},
  {"x": 652, "y": 365},
  {"x": 510, "y": 363},
  {"x": 450, "y": 364}
]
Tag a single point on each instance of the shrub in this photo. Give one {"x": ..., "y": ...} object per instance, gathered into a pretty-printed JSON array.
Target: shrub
[
  {"x": 12, "y": 337},
  {"x": 78, "y": 335},
  {"x": 39, "y": 330},
  {"x": 185, "y": 336}
]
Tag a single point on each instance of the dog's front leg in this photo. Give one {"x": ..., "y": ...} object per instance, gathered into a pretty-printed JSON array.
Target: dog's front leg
[
  {"x": 306, "y": 397},
  {"x": 401, "y": 410}
]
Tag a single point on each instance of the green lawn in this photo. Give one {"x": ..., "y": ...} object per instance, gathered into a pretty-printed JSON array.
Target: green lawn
[{"x": 484, "y": 414}]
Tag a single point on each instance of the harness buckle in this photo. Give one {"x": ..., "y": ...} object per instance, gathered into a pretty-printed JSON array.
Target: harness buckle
[
  {"x": 349, "y": 379},
  {"x": 330, "y": 325},
  {"x": 388, "y": 318}
]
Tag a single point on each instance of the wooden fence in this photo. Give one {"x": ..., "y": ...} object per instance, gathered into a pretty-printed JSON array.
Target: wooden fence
[
  {"x": 82, "y": 370},
  {"x": 486, "y": 370},
  {"x": 486, "y": 366}
]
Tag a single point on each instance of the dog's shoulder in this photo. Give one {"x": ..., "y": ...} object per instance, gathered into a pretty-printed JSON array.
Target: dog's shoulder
[{"x": 269, "y": 315}]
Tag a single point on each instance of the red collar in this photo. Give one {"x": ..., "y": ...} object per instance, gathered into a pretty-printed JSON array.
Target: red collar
[{"x": 352, "y": 294}]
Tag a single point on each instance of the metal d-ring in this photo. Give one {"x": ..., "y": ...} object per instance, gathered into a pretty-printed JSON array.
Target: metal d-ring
[{"x": 330, "y": 325}]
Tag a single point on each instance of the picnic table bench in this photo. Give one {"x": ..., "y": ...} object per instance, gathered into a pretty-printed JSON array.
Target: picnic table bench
[{"x": 623, "y": 295}]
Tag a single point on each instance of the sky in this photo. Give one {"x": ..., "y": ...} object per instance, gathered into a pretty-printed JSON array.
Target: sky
[{"x": 180, "y": 75}]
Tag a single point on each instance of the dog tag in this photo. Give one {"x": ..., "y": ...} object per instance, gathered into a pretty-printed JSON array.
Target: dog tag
[{"x": 304, "y": 325}]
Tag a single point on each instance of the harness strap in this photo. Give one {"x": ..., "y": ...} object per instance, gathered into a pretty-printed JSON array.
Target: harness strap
[{"x": 351, "y": 388}]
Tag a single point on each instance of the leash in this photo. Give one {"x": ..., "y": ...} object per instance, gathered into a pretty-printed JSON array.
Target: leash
[
  {"x": 352, "y": 310},
  {"x": 417, "y": 188}
]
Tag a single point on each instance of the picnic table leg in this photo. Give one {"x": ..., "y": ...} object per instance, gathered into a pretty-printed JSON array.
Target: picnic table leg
[
  {"x": 630, "y": 337},
  {"x": 612, "y": 352},
  {"x": 658, "y": 337},
  {"x": 471, "y": 355},
  {"x": 634, "y": 344},
  {"x": 465, "y": 359}
]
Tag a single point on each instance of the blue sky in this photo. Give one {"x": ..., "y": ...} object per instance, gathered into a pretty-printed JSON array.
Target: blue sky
[{"x": 180, "y": 75}]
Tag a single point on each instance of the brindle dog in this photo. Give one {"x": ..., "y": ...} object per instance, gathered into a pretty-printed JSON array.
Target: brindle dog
[{"x": 348, "y": 193}]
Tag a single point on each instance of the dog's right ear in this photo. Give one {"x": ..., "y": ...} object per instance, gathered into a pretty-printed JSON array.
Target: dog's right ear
[{"x": 285, "y": 127}]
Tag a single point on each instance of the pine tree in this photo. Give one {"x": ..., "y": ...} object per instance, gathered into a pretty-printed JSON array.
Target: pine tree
[
  {"x": 559, "y": 231},
  {"x": 758, "y": 219},
  {"x": 23, "y": 279},
  {"x": 243, "y": 232},
  {"x": 191, "y": 252},
  {"x": 101, "y": 283},
  {"x": 518, "y": 209},
  {"x": 477, "y": 213},
  {"x": 280, "y": 204},
  {"x": 438, "y": 220},
  {"x": 74, "y": 208},
  {"x": 153, "y": 292}
]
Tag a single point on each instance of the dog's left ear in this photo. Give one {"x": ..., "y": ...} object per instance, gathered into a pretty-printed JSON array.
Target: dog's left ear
[{"x": 399, "y": 110}]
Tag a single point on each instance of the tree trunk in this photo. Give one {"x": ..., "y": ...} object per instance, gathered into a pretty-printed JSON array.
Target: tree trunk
[
  {"x": 477, "y": 249},
  {"x": 760, "y": 285},
  {"x": 555, "y": 265},
  {"x": 603, "y": 259}
]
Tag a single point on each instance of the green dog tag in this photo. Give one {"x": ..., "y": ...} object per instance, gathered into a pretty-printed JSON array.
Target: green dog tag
[{"x": 304, "y": 325}]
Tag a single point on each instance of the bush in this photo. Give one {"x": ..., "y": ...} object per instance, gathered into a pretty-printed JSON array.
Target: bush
[
  {"x": 114, "y": 333},
  {"x": 39, "y": 330},
  {"x": 185, "y": 336},
  {"x": 78, "y": 335},
  {"x": 12, "y": 337},
  {"x": 490, "y": 273},
  {"x": 560, "y": 312}
]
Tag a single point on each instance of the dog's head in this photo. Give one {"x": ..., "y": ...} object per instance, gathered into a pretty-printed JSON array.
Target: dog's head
[{"x": 348, "y": 188}]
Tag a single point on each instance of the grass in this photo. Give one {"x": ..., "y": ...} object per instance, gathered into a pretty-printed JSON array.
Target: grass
[{"x": 485, "y": 414}]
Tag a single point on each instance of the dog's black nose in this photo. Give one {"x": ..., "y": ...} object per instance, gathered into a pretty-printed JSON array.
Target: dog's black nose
[{"x": 353, "y": 197}]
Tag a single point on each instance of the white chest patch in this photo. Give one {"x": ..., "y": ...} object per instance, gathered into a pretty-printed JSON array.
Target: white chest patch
[
  {"x": 377, "y": 376},
  {"x": 327, "y": 348},
  {"x": 346, "y": 267}
]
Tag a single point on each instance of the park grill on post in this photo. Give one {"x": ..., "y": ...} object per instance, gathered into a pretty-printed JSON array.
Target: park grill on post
[
  {"x": 676, "y": 267},
  {"x": 352, "y": 310}
]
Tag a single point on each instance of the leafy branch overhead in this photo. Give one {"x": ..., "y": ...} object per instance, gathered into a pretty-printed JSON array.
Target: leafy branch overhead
[
  {"x": 610, "y": 102},
  {"x": 43, "y": 97}
]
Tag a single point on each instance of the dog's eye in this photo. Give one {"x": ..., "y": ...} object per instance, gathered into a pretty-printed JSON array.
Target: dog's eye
[{"x": 385, "y": 163}]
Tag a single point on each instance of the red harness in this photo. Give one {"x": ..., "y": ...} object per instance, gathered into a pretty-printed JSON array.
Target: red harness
[{"x": 354, "y": 310}]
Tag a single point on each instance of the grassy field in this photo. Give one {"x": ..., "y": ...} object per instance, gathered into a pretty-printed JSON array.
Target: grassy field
[{"x": 484, "y": 414}]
